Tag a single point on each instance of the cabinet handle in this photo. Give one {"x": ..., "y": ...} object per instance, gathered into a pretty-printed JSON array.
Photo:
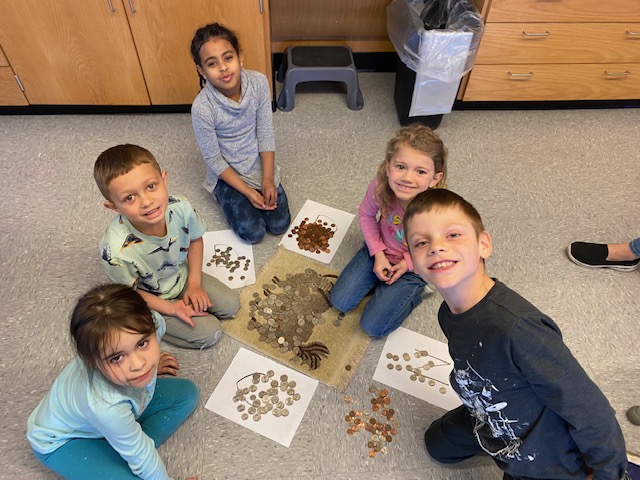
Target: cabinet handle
[
  {"x": 520, "y": 75},
  {"x": 536, "y": 34},
  {"x": 632, "y": 34},
  {"x": 133, "y": 10},
  {"x": 111, "y": 6},
  {"x": 19, "y": 82},
  {"x": 626, "y": 73},
  {"x": 261, "y": 6}
]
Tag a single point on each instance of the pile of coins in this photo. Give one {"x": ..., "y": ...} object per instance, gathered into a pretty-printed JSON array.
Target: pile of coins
[
  {"x": 222, "y": 258},
  {"x": 380, "y": 423},
  {"x": 313, "y": 237},
  {"x": 416, "y": 372},
  {"x": 273, "y": 398}
]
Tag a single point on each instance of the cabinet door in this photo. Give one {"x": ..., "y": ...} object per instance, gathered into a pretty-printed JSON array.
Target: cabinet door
[
  {"x": 163, "y": 29},
  {"x": 72, "y": 52}
]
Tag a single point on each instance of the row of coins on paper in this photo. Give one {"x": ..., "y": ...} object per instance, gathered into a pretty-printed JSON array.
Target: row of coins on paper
[
  {"x": 416, "y": 372},
  {"x": 313, "y": 237},
  {"x": 380, "y": 422},
  {"x": 258, "y": 400}
]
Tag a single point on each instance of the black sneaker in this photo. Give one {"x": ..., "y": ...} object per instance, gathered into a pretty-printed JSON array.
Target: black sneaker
[{"x": 594, "y": 255}]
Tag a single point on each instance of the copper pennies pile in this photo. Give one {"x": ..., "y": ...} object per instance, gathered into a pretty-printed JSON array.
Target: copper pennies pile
[
  {"x": 313, "y": 237},
  {"x": 275, "y": 397},
  {"x": 380, "y": 423},
  {"x": 222, "y": 258}
]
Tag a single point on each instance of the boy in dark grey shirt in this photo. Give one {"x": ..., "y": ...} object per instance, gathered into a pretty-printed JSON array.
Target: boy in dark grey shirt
[{"x": 527, "y": 402}]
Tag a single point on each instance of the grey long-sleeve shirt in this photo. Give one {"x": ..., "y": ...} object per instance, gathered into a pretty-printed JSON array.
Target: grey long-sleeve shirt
[{"x": 232, "y": 134}]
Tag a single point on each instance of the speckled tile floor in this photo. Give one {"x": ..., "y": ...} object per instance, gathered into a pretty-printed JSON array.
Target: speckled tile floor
[{"x": 540, "y": 179}]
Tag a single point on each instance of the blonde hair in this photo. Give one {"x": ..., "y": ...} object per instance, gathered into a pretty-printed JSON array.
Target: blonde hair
[{"x": 420, "y": 138}]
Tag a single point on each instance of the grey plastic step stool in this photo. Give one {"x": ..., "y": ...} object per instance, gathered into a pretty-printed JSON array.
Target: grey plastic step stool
[{"x": 316, "y": 64}]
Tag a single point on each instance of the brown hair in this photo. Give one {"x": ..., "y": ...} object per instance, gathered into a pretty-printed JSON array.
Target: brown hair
[
  {"x": 442, "y": 199},
  {"x": 102, "y": 312},
  {"x": 118, "y": 160},
  {"x": 421, "y": 138}
]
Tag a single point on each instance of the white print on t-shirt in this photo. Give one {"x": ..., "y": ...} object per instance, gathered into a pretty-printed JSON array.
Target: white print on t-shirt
[{"x": 476, "y": 393}]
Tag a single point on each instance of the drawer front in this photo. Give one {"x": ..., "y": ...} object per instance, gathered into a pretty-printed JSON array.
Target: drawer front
[
  {"x": 10, "y": 93},
  {"x": 564, "y": 11},
  {"x": 554, "y": 82},
  {"x": 559, "y": 43}
]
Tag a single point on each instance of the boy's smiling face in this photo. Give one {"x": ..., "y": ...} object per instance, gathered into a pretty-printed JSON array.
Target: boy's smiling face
[
  {"x": 448, "y": 253},
  {"x": 141, "y": 196}
]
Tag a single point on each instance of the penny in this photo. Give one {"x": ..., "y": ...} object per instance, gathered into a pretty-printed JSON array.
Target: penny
[
  {"x": 390, "y": 366},
  {"x": 442, "y": 390}
]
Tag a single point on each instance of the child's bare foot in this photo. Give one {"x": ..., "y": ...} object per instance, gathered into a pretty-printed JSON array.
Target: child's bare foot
[{"x": 168, "y": 365}]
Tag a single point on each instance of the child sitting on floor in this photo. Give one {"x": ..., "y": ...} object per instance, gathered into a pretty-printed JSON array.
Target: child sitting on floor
[{"x": 155, "y": 245}]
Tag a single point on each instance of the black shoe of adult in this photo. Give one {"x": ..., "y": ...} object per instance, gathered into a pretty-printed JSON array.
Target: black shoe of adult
[{"x": 594, "y": 255}]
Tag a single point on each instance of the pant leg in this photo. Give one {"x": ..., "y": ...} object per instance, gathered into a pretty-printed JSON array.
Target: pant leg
[
  {"x": 205, "y": 334},
  {"x": 241, "y": 215},
  {"x": 173, "y": 401},
  {"x": 450, "y": 439},
  {"x": 81, "y": 458},
  {"x": 391, "y": 304},
  {"x": 355, "y": 282},
  {"x": 635, "y": 246},
  {"x": 226, "y": 301},
  {"x": 278, "y": 220}
]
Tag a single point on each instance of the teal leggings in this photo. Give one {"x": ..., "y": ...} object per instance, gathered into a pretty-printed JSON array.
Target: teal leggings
[{"x": 82, "y": 458}]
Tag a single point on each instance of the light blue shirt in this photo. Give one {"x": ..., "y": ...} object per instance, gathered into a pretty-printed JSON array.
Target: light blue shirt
[
  {"x": 154, "y": 264},
  {"x": 83, "y": 404}
]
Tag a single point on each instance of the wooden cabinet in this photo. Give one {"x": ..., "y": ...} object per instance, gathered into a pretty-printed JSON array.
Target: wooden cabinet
[
  {"x": 10, "y": 93},
  {"x": 70, "y": 52},
  {"x": 559, "y": 50},
  {"x": 162, "y": 32},
  {"x": 119, "y": 52}
]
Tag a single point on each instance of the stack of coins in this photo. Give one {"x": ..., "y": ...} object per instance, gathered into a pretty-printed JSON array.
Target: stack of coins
[
  {"x": 313, "y": 237},
  {"x": 273, "y": 398},
  {"x": 380, "y": 423}
]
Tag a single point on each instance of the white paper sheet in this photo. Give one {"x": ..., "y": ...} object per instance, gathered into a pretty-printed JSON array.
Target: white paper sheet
[
  {"x": 434, "y": 367},
  {"x": 327, "y": 221},
  {"x": 280, "y": 429},
  {"x": 228, "y": 258}
]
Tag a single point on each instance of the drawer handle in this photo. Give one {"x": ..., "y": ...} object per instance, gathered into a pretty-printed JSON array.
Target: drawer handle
[
  {"x": 113, "y": 9},
  {"x": 536, "y": 34},
  {"x": 632, "y": 34},
  {"x": 626, "y": 73},
  {"x": 520, "y": 75}
]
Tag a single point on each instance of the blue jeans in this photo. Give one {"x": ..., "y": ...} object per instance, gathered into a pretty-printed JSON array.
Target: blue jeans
[
  {"x": 250, "y": 223},
  {"x": 173, "y": 401},
  {"x": 389, "y": 305},
  {"x": 635, "y": 246}
]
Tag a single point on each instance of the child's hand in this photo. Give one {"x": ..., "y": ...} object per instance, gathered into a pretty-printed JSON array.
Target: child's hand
[
  {"x": 397, "y": 271},
  {"x": 168, "y": 365},
  {"x": 382, "y": 267},
  {"x": 257, "y": 200},
  {"x": 197, "y": 297},
  {"x": 269, "y": 192},
  {"x": 185, "y": 312}
]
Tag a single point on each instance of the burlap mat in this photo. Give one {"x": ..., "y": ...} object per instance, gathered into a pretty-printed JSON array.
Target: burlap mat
[{"x": 286, "y": 315}]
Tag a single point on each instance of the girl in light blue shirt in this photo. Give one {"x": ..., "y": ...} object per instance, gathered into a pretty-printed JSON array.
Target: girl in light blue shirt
[{"x": 107, "y": 411}]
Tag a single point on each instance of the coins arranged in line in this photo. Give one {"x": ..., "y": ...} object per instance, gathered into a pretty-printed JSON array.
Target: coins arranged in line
[
  {"x": 378, "y": 420},
  {"x": 265, "y": 395},
  {"x": 417, "y": 368},
  {"x": 313, "y": 236},
  {"x": 227, "y": 258}
]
